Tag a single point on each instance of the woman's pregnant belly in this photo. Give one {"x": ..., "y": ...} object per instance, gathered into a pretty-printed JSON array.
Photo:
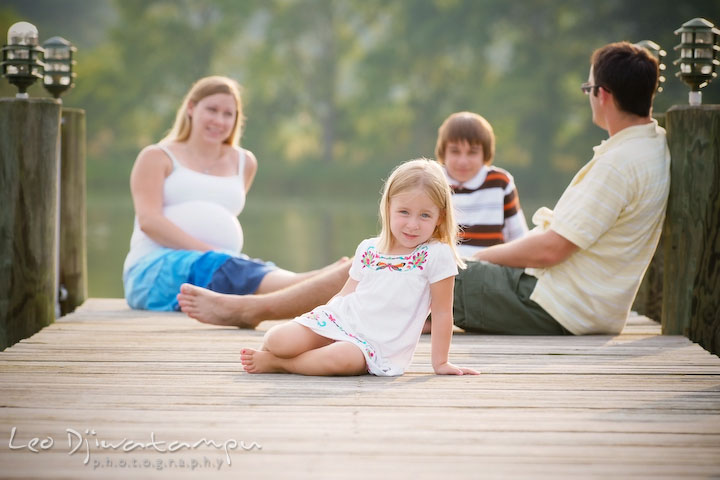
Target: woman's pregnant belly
[{"x": 208, "y": 222}]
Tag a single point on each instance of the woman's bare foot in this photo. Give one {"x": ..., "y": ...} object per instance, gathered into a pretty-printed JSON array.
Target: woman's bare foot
[
  {"x": 257, "y": 361},
  {"x": 215, "y": 308}
]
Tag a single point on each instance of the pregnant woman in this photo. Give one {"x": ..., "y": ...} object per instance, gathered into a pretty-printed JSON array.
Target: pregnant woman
[{"x": 187, "y": 192}]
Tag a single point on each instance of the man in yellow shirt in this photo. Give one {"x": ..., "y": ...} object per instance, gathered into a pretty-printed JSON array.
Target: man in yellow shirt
[{"x": 578, "y": 271}]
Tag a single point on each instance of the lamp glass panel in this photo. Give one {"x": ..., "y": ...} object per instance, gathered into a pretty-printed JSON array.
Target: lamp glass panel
[
  {"x": 57, "y": 67},
  {"x": 704, "y": 37},
  {"x": 686, "y": 53},
  {"x": 57, "y": 53},
  {"x": 52, "y": 78},
  {"x": 18, "y": 54},
  {"x": 686, "y": 37}
]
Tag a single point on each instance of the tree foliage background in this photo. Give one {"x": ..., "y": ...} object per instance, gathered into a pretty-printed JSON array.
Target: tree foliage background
[{"x": 336, "y": 92}]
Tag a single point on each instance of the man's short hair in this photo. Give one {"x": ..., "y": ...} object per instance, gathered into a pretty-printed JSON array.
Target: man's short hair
[{"x": 630, "y": 73}]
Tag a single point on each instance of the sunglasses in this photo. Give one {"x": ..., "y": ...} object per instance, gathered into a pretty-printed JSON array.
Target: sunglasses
[{"x": 587, "y": 88}]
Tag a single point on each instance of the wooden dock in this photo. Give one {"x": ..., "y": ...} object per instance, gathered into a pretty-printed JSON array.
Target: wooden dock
[{"x": 108, "y": 392}]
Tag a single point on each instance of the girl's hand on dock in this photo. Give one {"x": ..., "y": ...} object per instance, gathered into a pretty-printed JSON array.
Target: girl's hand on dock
[{"x": 450, "y": 369}]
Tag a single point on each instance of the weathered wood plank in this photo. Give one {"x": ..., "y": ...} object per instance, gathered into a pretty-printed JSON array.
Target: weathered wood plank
[{"x": 632, "y": 405}]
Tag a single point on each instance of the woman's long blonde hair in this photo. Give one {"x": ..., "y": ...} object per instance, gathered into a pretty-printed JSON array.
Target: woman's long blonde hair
[
  {"x": 202, "y": 88},
  {"x": 428, "y": 176}
]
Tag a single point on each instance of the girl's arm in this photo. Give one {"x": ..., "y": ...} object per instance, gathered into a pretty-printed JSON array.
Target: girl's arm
[
  {"x": 441, "y": 306},
  {"x": 146, "y": 186},
  {"x": 348, "y": 288}
]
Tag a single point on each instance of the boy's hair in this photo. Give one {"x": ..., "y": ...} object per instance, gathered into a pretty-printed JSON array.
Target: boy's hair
[
  {"x": 469, "y": 127},
  {"x": 629, "y": 72},
  {"x": 204, "y": 88},
  {"x": 427, "y": 175}
]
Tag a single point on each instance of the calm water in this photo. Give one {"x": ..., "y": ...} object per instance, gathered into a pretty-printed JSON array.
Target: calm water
[{"x": 297, "y": 234}]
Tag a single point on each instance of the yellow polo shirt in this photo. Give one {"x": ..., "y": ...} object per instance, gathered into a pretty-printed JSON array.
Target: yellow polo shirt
[{"x": 613, "y": 210}]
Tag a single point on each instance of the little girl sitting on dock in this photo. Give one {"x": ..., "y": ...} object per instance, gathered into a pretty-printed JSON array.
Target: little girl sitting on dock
[{"x": 374, "y": 324}]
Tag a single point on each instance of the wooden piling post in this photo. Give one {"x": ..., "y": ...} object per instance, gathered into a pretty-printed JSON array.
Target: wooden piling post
[
  {"x": 73, "y": 214},
  {"x": 648, "y": 300},
  {"x": 29, "y": 130},
  {"x": 691, "y": 282}
]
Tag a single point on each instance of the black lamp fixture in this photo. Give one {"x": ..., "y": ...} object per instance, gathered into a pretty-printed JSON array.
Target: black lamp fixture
[
  {"x": 59, "y": 63},
  {"x": 659, "y": 55},
  {"x": 22, "y": 59},
  {"x": 698, "y": 51}
]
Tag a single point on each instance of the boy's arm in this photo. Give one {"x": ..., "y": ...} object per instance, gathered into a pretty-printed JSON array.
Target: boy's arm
[
  {"x": 441, "y": 293},
  {"x": 515, "y": 227}
]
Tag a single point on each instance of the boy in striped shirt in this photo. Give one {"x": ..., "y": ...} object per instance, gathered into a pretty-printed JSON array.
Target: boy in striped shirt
[{"x": 487, "y": 206}]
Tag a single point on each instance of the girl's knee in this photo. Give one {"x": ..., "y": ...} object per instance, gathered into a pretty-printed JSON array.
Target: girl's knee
[{"x": 277, "y": 338}]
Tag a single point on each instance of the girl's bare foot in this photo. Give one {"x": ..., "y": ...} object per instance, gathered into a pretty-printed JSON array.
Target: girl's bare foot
[
  {"x": 257, "y": 361},
  {"x": 216, "y": 308}
]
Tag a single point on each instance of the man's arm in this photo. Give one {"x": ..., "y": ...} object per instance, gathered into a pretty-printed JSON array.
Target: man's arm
[{"x": 534, "y": 250}]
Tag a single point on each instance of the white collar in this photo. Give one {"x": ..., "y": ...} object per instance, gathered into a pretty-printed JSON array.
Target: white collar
[
  {"x": 472, "y": 184},
  {"x": 644, "y": 130}
]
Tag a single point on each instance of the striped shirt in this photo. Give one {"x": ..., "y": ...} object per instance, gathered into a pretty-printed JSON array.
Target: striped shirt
[
  {"x": 487, "y": 208},
  {"x": 613, "y": 210}
]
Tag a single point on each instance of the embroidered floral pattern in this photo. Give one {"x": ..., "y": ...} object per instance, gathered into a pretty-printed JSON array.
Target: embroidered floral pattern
[
  {"x": 314, "y": 316},
  {"x": 368, "y": 257},
  {"x": 322, "y": 323},
  {"x": 419, "y": 257},
  {"x": 365, "y": 345},
  {"x": 397, "y": 263}
]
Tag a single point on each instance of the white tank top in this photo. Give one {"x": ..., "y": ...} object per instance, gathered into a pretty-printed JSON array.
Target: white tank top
[{"x": 204, "y": 206}]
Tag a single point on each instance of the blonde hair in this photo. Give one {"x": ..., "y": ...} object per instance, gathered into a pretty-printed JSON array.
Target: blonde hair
[
  {"x": 202, "y": 88},
  {"x": 428, "y": 176},
  {"x": 466, "y": 127}
]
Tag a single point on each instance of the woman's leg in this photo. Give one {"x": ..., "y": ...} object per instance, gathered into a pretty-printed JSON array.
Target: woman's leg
[{"x": 338, "y": 358}]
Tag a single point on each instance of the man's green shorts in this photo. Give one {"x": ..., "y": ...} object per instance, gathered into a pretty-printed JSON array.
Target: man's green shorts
[{"x": 494, "y": 299}]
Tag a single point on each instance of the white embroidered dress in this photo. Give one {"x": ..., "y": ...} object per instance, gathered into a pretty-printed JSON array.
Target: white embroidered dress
[{"x": 385, "y": 314}]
